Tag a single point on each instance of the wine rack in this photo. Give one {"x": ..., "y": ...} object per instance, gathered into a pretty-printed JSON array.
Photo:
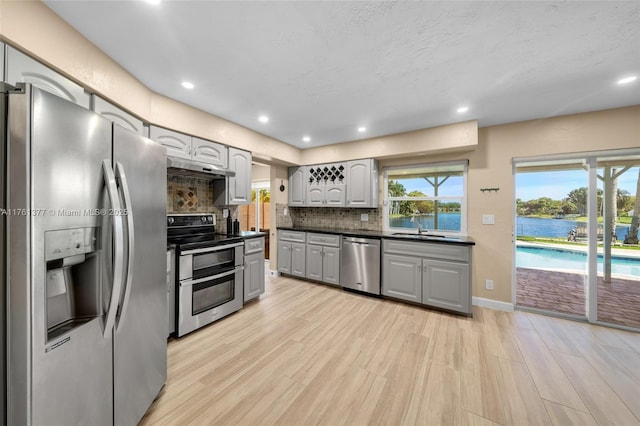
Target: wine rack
[{"x": 326, "y": 174}]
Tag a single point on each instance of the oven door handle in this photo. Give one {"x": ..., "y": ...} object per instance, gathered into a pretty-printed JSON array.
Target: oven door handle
[
  {"x": 213, "y": 277},
  {"x": 212, "y": 249}
]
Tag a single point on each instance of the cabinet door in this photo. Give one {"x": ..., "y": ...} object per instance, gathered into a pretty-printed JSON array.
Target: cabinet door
[
  {"x": 331, "y": 265},
  {"x": 402, "y": 277},
  {"x": 446, "y": 285},
  {"x": 362, "y": 183},
  {"x": 335, "y": 195},
  {"x": 177, "y": 144},
  {"x": 284, "y": 257},
  {"x": 314, "y": 262},
  {"x": 22, "y": 69},
  {"x": 209, "y": 152},
  {"x": 253, "y": 276},
  {"x": 296, "y": 186},
  {"x": 239, "y": 186},
  {"x": 315, "y": 195},
  {"x": 117, "y": 115},
  {"x": 298, "y": 259}
]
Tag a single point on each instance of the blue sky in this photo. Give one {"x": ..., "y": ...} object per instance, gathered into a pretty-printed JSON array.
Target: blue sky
[{"x": 557, "y": 184}]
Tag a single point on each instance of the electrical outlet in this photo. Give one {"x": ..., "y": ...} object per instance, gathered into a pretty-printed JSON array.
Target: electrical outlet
[
  {"x": 225, "y": 213},
  {"x": 488, "y": 219},
  {"x": 364, "y": 217},
  {"x": 286, "y": 211},
  {"x": 488, "y": 284}
]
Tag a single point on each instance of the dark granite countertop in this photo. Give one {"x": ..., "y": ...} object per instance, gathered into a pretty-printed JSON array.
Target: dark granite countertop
[
  {"x": 252, "y": 234},
  {"x": 432, "y": 237}
]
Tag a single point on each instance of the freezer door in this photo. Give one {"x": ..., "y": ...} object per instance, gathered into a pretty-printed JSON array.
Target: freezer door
[
  {"x": 3, "y": 284},
  {"x": 60, "y": 357},
  {"x": 140, "y": 337}
]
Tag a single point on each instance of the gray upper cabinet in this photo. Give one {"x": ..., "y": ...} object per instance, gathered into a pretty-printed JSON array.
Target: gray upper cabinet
[
  {"x": 297, "y": 186},
  {"x": 239, "y": 186},
  {"x": 118, "y": 115},
  {"x": 20, "y": 68},
  {"x": 209, "y": 152},
  {"x": 350, "y": 184},
  {"x": 362, "y": 183},
  {"x": 177, "y": 144},
  {"x": 325, "y": 185}
]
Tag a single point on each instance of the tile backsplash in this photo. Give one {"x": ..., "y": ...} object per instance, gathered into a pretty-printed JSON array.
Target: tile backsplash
[
  {"x": 329, "y": 217},
  {"x": 193, "y": 195}
]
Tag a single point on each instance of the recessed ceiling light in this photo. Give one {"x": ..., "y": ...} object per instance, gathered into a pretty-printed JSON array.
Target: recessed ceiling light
[
  {"x": 306, "y": 139},
  {"x": 187, "y": 85},
  {"x": 463, "y": 109},
  {"x": 362, "y": 129},
  {"x": 628, "y": 79},
  {"x": 153, "y": 2},
  {"x": 263, "y": 119}
]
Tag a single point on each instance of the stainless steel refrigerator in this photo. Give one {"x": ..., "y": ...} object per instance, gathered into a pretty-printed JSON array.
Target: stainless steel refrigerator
[{"x": 86, "y": 263}]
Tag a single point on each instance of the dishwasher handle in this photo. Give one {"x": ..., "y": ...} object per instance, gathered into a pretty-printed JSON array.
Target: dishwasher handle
[{"x": 361, "y": 241}]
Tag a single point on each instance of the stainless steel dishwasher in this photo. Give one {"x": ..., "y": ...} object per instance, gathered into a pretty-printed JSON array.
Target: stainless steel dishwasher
[{"x": 360, "y": 264}]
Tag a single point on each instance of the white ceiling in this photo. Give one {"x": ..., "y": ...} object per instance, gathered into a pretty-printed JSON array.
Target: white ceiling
[{"x": 324, "y": 68}]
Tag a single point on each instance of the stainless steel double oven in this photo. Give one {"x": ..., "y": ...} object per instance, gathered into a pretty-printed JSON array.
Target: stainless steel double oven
[{"x": 209, "y": 271}]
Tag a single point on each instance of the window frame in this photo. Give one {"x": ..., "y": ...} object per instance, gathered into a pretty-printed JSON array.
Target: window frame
[{"x": 462, "y": 199}]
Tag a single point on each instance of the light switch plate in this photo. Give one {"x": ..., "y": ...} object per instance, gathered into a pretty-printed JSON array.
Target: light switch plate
[
  {"x": 225, "y": 213},
  {"x": 364, "y": 217},
  {"x": 488, "y": 219},
  {"x": 286, "y": 211}
]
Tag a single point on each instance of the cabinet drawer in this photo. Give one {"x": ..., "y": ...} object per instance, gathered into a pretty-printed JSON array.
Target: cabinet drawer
[
  {"x": 296, "y": 236},
  {"x": 432, "y": 250},
  {"x": 323, "y": 239},
  {"x": 254, "y": 245}
]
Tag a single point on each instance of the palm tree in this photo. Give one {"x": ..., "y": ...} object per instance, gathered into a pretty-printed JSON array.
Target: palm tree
[{"x": 632, "y": 236}]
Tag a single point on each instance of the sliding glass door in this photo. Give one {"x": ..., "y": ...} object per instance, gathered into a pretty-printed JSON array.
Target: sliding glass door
[
  {"x": 551, "y": 237},
  {"x": 618, "y": 283},
  {"x": 576, "y": 237}
]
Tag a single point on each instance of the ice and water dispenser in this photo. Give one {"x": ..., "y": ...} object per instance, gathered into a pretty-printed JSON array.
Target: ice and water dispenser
[{"x": 73, "y": 291}]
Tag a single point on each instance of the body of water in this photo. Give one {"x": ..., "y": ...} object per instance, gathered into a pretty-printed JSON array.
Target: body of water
[
  {"x": 525, "y": 226},
  {"x": 446, "y": 222},
  {"x": 552, "y": 258},
  {"x": 558, "y": 228}
]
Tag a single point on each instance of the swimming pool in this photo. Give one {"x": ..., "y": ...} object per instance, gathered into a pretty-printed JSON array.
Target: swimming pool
[{"x": 553, "y": 258}]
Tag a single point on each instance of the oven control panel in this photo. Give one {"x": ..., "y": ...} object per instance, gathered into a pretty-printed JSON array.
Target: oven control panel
[{"x": 180, "y": 220}]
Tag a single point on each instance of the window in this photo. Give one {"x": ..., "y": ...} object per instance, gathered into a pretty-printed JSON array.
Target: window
[{"x": 432, "y": 195}]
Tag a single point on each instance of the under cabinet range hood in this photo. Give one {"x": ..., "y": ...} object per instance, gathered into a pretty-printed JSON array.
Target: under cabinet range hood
[{"x": 184, "y": 167}]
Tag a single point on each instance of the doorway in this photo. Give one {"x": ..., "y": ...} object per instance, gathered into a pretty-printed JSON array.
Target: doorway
[
  {"x": 257, "y": 215},
  {"x": 576, "y": 248}
]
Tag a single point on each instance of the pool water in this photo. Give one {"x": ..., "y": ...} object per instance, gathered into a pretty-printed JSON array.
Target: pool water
[{"x": 552, "y": 258}]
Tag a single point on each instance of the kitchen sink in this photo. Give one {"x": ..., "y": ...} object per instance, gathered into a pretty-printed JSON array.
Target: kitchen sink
[{"x": 407, "y": 234}]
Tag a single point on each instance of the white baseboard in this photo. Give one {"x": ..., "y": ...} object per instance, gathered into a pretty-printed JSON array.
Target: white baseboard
[
  {"x": 492, "y": 304},
  {"x": 274, "y": 273}
]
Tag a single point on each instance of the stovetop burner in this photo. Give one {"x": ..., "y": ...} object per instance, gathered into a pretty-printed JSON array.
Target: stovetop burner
[{"x": 194, "y": 231}]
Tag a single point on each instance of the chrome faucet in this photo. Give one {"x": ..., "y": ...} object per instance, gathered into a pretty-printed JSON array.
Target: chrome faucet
[{"x": 420, "y": 230}]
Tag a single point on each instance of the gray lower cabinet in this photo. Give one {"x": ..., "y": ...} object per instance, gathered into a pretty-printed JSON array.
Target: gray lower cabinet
[
  {"x": 292, "y": 253},
  {"x": 432, "y": 274},
  {"x": 253, "y": 275},
  {"x": 253, "y": 268},
  {"x": 323, "y": 263},
  {"x": 446, "y": 285},
  {"x": 323, "y": 258},
  {"x": 402, "y": 277}
]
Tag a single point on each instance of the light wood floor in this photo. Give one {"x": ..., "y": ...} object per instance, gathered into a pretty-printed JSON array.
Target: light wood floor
[{"x": 311, "y": 354}]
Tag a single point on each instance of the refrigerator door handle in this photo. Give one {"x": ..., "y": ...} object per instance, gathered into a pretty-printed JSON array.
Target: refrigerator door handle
[
  {"x": 124, "y": 185},
  {"x": 118, "y": 244}
]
